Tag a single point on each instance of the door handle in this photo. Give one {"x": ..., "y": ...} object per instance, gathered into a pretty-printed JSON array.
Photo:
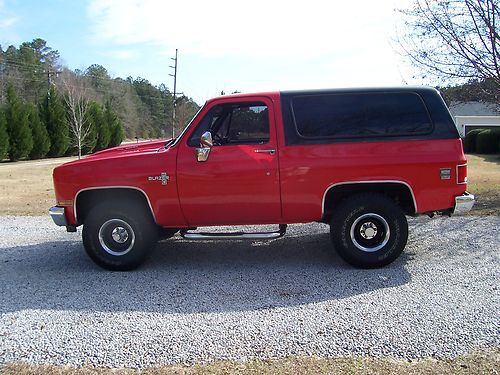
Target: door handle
[{"x": 271, "y": 151}]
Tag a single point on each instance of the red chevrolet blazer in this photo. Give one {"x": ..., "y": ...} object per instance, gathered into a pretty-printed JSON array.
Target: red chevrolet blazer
[{"x": 360, "y": 160}]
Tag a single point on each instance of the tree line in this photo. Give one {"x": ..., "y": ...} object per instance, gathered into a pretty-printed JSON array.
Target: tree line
[
  {"x": 38, "y": 130},
  {"x": 47, "y": 109}
]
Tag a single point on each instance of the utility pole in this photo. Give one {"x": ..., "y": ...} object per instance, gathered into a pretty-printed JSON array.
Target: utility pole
[
  {"x": 50, "y": 73},
  {"x": 175, "y": 91}
]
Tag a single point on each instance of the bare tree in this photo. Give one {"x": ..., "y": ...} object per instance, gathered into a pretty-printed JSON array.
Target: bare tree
[
  {"x": 454, "y": 39},
  {"x": 185, "y": 110},
  {"x": 77, "y": 103}
]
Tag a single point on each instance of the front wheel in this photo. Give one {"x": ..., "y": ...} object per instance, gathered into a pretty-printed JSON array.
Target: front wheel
[
  {"x": 119, "y": 238},
  {"x": 369, "y": 230}
]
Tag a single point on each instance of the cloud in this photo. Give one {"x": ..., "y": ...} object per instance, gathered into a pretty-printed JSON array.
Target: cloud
[
  {"x": 6, "y": 19},
  {"x": 258, "y": 29},
  {"x": 7, "y": 22},
  {"x": 122, "y": 54}
]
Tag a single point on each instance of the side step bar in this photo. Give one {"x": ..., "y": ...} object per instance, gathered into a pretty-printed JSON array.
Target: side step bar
[{"x": 185, "y": 233}]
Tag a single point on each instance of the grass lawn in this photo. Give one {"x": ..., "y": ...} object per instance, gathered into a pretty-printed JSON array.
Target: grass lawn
[
  {"x": 484, "y": 182},
  {"x": 484, "y": 362}
]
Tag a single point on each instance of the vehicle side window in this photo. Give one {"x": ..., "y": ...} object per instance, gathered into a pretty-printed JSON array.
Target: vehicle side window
[
  {"x": 232, "y": 124},
  {"x": 360, "y": 115}
]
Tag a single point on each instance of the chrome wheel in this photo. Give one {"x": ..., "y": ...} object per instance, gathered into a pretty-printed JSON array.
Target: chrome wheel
[
  {"x": 370, "y": 232},
  {"x": 116, "y": 237}
]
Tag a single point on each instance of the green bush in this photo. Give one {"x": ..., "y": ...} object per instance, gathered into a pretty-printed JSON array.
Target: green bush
[
  {"x": 115, "y": 126},
  {"x": 99, "y": 126},
  {"x": 41, "y": 140},
  {"x": 18, "y": 127},
  {"x": 487, "y": 141},
  {"x": 470, "y": 140},
  {"x": 53, "y": 115},
  {"x": 4, "y": 137}
]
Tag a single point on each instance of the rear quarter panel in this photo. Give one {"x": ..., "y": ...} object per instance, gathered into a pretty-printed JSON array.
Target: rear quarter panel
[{"x": 307, "y": 171}]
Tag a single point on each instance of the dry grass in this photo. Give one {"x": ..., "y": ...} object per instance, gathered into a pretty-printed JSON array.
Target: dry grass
[
  {"x": 26, "y": 186},
  {"x": 484, "y": 181},
  {"x": 483, "y": 362}
]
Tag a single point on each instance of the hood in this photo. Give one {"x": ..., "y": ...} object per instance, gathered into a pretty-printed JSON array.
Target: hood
[
  {"x": 126, "y": 150},
  {"x": 131, "y": 148}
]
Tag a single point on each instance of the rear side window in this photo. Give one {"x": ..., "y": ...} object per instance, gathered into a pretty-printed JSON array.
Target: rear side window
[{"x": 364, "y": 115}]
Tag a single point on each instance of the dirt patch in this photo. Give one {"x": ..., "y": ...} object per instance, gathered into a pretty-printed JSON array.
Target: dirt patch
[{"x": 483, "y": 362}]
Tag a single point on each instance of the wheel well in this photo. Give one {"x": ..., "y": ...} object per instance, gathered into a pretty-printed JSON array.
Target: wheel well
[
  {"x": 87, "y": 199},
  {"x": 400, "y": 193}
]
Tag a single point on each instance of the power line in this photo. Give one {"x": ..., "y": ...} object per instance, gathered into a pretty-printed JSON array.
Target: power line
[
  {"x": 98, "y": 90},
  {"x": 109, "y": 79}
]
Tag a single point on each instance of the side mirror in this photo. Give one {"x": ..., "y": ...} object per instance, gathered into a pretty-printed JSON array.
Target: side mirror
[
  {"x": 206, "y": 142},
  {"x": 206, "y": 139}
]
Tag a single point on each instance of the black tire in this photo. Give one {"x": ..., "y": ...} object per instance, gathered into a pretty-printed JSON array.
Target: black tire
[
  {"x": 119, "y": 236},
  {"x": 368, "y": 230},
  {"x": 166, "y": 233}
]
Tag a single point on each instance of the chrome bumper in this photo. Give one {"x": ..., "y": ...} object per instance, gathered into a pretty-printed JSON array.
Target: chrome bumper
[
  {"x": 463, "y": 203},
  {"x": 57, "y": 214}
]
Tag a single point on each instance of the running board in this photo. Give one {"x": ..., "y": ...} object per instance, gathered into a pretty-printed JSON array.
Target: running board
[{"x": 185, "y": 233}]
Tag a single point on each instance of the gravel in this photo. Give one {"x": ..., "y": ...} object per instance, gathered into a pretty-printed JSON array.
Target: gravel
[{"x": 200, "y": 301}]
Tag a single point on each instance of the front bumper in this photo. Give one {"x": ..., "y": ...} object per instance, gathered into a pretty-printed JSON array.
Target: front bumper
[
  {"x": 463, "y": 203},
  {"x": 57, "y": 214}
]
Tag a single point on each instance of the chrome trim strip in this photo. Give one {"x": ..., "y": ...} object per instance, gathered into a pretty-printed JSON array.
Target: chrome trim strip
[
  {"x": 57, "y": 215},
  {"x": 456, "y": 174},
  {"x": 113, "y": 187},
  {"x": 463, "y": 203},
  {"x": 367, "y": 182}
]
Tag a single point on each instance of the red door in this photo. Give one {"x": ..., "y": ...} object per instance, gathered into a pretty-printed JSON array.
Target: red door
[{"x": 239, "y": 182}]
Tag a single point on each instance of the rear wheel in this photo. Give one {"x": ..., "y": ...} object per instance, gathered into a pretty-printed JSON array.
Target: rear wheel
[
  {"x": 119, "y": 237},
  {"x": 369, "y": 230}
]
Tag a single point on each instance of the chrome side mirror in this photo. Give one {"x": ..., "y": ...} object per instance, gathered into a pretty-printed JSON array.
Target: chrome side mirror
[
  {"x": 206, "y": 142},
  {"x": 202, "y": 153}
]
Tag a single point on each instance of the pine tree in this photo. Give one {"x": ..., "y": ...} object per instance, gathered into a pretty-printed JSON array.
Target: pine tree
[
  {"x": 41, "y": 140},
  {"x": 114, "y": 125},
  {"x": 20, "y": 137},
  {"x": 53, "y": 115},
  {"x": 4, "y": 137},
  {"x": 99, "y": 121}
]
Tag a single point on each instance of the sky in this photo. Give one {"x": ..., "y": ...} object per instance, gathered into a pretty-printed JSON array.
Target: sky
[{"x": 246, "y": 46}]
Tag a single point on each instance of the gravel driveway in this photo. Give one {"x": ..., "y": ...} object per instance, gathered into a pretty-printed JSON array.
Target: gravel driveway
[{"x": 239, "y": 300}]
